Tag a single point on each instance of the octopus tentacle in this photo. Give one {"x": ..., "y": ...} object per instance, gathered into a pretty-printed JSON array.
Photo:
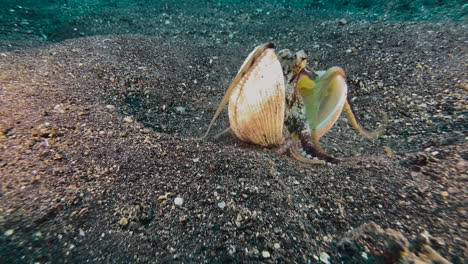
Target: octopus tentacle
[
  {"x": 298, "y": 156},
  {"x": 354, "y": 122},
  {"x": 310, "y": 149}
]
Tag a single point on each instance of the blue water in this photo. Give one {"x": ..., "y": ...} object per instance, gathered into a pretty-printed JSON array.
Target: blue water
[{"x": 55, "y": 20}]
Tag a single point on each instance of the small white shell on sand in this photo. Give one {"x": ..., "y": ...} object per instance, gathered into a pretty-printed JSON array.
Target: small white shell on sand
[{"x": 178, "y": 201}]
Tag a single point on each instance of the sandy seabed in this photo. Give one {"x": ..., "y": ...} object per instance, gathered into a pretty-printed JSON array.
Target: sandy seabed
[{"x": 98, "y": 139}]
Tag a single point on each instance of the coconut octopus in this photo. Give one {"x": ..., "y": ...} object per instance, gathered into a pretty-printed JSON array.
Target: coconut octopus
[{"x": 275, "y": 101}]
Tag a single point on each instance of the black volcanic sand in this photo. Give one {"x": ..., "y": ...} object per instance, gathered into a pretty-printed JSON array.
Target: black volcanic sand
[{"x": 98, "y": 139}]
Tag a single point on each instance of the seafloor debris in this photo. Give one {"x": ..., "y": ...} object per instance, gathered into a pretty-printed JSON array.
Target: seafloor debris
[
  {"x": 45, "y": 131},
  {"x": 371, "y": 243}
]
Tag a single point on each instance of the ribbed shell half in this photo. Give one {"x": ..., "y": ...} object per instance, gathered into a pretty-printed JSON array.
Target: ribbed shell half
[
  {"x": 257, "y": 103},
  {"x": 256, "y": 99}
]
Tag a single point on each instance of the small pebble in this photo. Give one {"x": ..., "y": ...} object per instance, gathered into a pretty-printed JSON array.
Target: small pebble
[
  {"x": 276, "y": 246},
  {"x": 364, "y": 255},
  {"x": 265, "y": 254},
  {"x": 59, "y": 109},
  {"x": 9, "y": 232},
  {"x": 110, "y": 107},
  {"x": 181, "y": 109},
  {"x": 178, "y": 201},
  {"x": 222, "y": 205},
  {"x": 325, "y": 258},
  {"x": 123, "y": 221},
  {"x": 231, "y": 250},
  {"x": 128, "y": 119},
  {"x": 342, "y": 21}
]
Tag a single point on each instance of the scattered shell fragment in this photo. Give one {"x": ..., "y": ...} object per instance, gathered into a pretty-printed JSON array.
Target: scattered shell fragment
[
  {"x": 178, "y": 201},
  {"x": 128, "y": 119},
  {"x": 181, "y": 109},
  {"x": 265, "y": 254},
  {"x": 222, "y": 205},
  {"x": 325, "y": 258},
  {"x": 9, "y": 232},
  {"x": 123, "y": 221}
]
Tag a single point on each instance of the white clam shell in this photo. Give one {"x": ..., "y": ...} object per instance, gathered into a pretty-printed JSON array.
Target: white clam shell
[
  {"x": 256, "y": 99},
  {"x": 257, "y": 103}
]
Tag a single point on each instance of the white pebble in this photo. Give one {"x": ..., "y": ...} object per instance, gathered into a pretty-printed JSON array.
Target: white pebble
[
  {"x": 265, "y": 254},
  {"x": 325, "y": 258},
  {"x": 222, "y": 205},
  {"x": 178, "y": 201},
  {"x": 9, "y": 232},
  {"x": 364, "y": 255},
  {"x": 181, "y": 109}
]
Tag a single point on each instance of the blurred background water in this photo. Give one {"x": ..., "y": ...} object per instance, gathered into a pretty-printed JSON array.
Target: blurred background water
[{"x": 28, "y": 23}]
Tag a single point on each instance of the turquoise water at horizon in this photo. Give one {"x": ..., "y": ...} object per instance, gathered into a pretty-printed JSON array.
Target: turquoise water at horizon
[{"x": 55, "y": 20}]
